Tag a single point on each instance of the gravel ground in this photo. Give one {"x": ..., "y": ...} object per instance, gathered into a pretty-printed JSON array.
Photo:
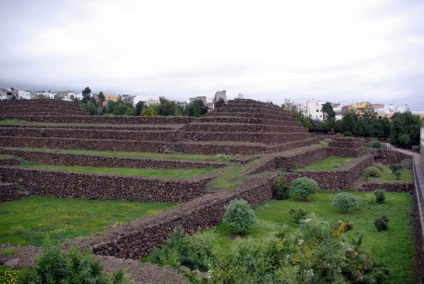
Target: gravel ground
[{"x": 134, "y": 269}]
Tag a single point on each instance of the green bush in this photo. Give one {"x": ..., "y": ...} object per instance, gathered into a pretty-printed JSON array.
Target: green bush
[
  {"x": 347, "y": 134},
  {"x": 56, "y": 266},
  {"x": 374, "y": 144},
  {"x": 281, "y": 188},
  {"x": 180, "y": 250},
  {"x": 344, "y": 201},
  {"x": 380, "y": 195},
  {"x": 379, "y": 166},
  {"x": 395, "y": 168},
  {"x": 239, "y": 216},
  {"x": 304, "y": 187},
  {"x": 372, "y": 172},
  {"x": 297, "y": 214},
  {"x": 382, "y": 223}
]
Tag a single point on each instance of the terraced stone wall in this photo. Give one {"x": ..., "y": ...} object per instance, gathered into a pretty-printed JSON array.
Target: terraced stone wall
[
  {"x": 342, "y": 178},
  {"x": 69, "y": 159},
  {"x": 103, "y": 119},
  {"x": 9, "y": 192},
  {"x": 93, "y": 144},
  {"x": 390, "y": 187},
  {"x": 389, "y": 157},
  {"x": 103, "y": 186},
  {"x": 137, "y": 239}
]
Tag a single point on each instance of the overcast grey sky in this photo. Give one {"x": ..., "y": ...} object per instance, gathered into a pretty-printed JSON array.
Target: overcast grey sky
[{"x": 331, "y": 50}]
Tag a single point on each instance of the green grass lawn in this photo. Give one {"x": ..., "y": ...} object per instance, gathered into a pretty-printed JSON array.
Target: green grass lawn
[
  {"x": 394, "y": 248},
  {"x": 28, "y": 220},
  {"x": 327, "y": 164},
  {"x": 165, "y": 173},
  {"x": 12, "y": 121}
]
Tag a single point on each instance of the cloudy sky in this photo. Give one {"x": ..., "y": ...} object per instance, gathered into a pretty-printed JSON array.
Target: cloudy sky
[{"x": 331, "y": 50}]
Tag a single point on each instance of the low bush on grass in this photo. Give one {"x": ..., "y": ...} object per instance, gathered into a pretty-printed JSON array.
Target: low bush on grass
[
  {"x": 344, "y": 201},
  {"x": 239, "y": 216},
  {"x": 380, "y": 195},
  {"x": 382, "y": 223},
  {"x": 304, "y": 187},
  {"x": 379, "y": 166},
  {"x": 281, "y": 188},
  {"x": 347, "y": 134},
  {"x": 297, "y": 214},
  {"x": 56, "y": 266},
  {"x": 395, "y": 168},
  {"x": 372, "y": 172}
]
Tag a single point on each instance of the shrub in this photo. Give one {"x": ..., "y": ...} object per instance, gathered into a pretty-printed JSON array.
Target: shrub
[
  {"x": 372, "y": 172},
  {"x": 239, "y": 216},
  {"x": 379, "y": 166},
  {"x": 344, "y": 201},
  {"x": 395, "y": 168},
  {"x": 281, "y": 188},
  {"x": 347, "y": 134},
  {"x": 382, "y": 223},
  {"x": 304, "y": 187},
  {"x": 56, "y": 266},
  {"x": 374, "y": 144},
  {"x": 297, "y": 214},
  {"x": 380, "y": 195}
]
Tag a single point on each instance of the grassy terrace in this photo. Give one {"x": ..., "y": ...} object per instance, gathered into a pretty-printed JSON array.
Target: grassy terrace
[
  {"x": 28, "y": 220},
  {"x": 327, "y": 164},
  {"x": 173, "y": 155},
  {"x": 387, "y": 175},
  {"x": 164, "y": 173}
]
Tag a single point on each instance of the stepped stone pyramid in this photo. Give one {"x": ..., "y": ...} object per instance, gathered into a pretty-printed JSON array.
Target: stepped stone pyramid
[
  {"x": 40, "y": 107},
  {"x": 243, "y": 127}
]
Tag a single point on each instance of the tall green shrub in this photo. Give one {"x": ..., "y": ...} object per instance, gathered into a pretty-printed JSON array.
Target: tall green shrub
[
  {"x": 281, "y": 188},
  {"x": 239, "y": 216},
  {"x": 304, "y": 187}
]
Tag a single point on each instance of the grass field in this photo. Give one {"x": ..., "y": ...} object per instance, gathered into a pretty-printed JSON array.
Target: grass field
[
  {"x": 387, "y": 175},
  {"x": 394, "y": 248},
  {"x": 28, "y": 220}
]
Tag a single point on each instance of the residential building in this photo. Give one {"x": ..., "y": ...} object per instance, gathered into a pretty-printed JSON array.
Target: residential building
[
  {"x": 5, "y": 94},
  {"x": 314, "y": 110},
  {"x": 199, "y": 98},
  {"x": 147, "y": 100},
  {"x": 221, "y": 95}
]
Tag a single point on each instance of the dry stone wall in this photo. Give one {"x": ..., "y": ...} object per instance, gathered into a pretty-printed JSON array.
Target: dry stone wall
[
  {"x": 105, "y": 186},
  {"x": 9, "y": 192},
  {"x": 389, "y": 157},
  {"x": 342, "y": 178},
  {"x": 137, "y": 239},
  {"x": 390, "y": 187},
  {"x": 70, "y": 159}
]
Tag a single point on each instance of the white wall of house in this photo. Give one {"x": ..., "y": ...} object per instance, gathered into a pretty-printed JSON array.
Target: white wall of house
[
  {"x": 314, "y": 110},
  {"x": 22, "y": 95},
  {"x": 147, "y": 100}
]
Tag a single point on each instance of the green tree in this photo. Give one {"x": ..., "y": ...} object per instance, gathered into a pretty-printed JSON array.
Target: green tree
[
  {"x": 405, "y": 129},
  {"x": 219, "y": 103},
  {"x": 196, "y": 108},
  {"x": 102, "y": 98},
  {"x": 86, "y": 93},
  {"x": 344, "y": 201},
  {"x": 165, "y": 107},
  {"x": 239, "y": 216},
  {"x": 328, "y": 112},
  {"x": 119, "y": 107},
  {"x": 292, "y": 107},
  {"x": 139, "y": 108},
  {"x": 148, "y": 111}
]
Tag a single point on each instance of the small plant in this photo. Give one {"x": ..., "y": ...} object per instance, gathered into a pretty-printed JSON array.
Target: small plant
[
  {"x": 374, "y": 144},
  {"x": 304, "y": 187},
  {"x": 379, "y": 166},
  {"x": 382, "y": 223},
  {"x": 395, "y": 168},
  {"x": 8, "y": 251},
  {"x": 347, "y": 134},
  {"x": 281, "y": 188},
  {"x": 372, "y": 172},
  {"x": 239, "y": 216},
  {"x": 380, "y": 195},
  {"x": 56, "y": 266},
  {"x": 336, "y": 165},
  {"x": 344, "y": 201},
  {"x": 297, "y": 214}
]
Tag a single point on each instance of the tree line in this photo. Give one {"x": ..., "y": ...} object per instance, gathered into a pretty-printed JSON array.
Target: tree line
[{"x": 403, "y": 129}]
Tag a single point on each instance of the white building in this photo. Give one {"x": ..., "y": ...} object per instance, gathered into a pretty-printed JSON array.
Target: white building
[
  {"x": 23, "y": 95},
  {"x": 147, "y": 100},
  {"x": 338, "y": 109},
  {"x": 314, "y": 110}
]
